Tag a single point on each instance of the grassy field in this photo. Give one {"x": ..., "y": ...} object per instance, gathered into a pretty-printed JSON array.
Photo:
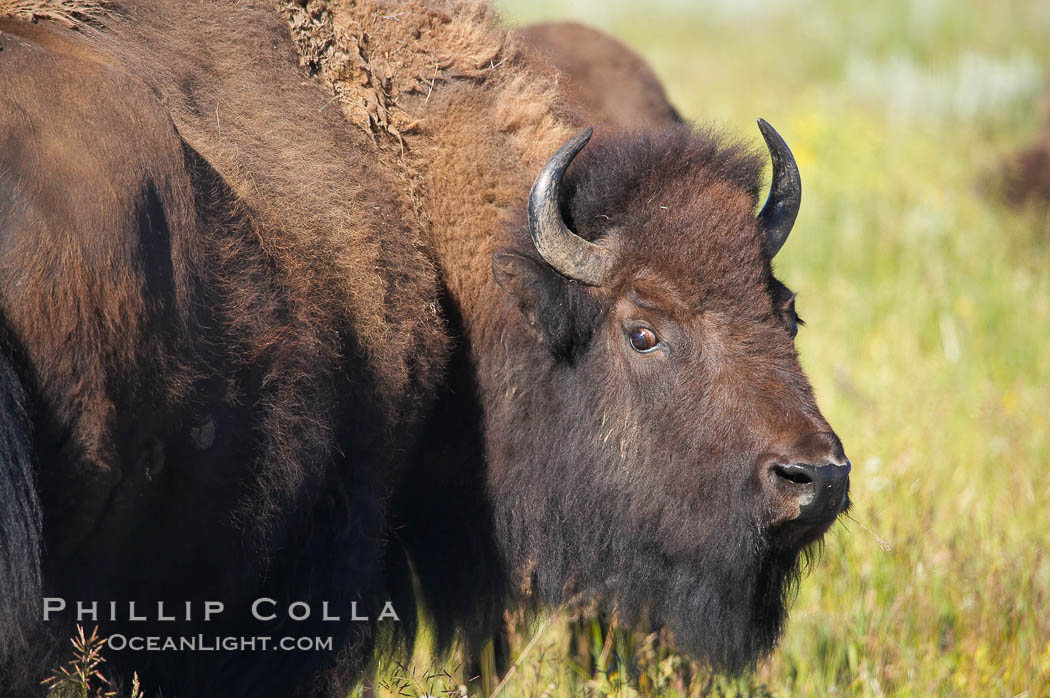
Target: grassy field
[{"x": 927, "y": 305}]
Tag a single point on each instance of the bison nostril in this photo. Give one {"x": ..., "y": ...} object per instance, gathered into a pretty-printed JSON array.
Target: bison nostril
[
  {"x": 808, "y": 494},
  {"x": 793, "y": 473}
]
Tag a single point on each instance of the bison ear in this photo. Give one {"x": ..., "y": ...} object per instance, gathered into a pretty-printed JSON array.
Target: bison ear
[
  {"x": 561, "y": 313},
  {"x": 528, "y": 280}
]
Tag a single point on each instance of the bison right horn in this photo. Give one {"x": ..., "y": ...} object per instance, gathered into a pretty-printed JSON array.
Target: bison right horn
[
  {"x": 785, "y": 191},
  {"x": 567, "y": 252}
]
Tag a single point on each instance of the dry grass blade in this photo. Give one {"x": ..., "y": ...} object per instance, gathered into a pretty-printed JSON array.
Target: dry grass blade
[
  {"x": 555, "y": 617},
  {"x": 82, "y": 675}
]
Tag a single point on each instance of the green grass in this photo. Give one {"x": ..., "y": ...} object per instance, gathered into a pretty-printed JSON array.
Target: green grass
[{"x": 928, "y": 338}]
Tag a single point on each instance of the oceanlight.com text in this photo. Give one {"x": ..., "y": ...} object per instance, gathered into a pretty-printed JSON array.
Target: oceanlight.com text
[{"x": 217, "y": 643}]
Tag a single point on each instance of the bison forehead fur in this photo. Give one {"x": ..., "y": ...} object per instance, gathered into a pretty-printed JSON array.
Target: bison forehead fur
[{"x": 253, "y": 346}]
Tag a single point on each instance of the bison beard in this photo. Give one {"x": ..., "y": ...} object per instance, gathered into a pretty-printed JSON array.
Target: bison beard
[{"x": 725, "y": 604}]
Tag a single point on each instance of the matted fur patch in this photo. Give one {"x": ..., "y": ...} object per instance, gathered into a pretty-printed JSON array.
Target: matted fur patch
[
  {"x": 74, "y": 13},
  {"x": 372, "y": 54}
]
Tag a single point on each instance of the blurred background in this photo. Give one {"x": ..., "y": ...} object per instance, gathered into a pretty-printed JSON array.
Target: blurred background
[{"x": 922, "y": 266}]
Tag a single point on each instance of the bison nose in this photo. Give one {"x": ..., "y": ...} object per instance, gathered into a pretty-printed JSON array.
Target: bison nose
[{"x": 819, "y": 490}]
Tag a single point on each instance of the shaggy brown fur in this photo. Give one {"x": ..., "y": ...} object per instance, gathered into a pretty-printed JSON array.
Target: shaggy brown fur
[
  {"x": 197, "y": 240},
  {"x": 602, "y": 79}
]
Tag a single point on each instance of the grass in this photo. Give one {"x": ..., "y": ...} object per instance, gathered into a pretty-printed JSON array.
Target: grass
[{"x": 927, "y": 304}]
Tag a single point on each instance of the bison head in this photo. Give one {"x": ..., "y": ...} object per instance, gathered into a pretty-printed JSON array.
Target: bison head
[{"x": 653, "y": 442}]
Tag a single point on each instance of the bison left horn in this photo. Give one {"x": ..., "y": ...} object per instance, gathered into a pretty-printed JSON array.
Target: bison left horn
[
  {"x": 785, "y": 191},
  {"x": 567, "y": 252}
]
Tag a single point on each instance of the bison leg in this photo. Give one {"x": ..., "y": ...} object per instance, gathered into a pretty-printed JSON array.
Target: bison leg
[{"x": 20, "y": 520}]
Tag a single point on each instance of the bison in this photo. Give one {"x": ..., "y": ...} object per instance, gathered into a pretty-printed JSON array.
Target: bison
[
  {"x": 332, "y": 310},
  {"x": 1023, "y": 177},
  {"x": 603, "y": 79}
]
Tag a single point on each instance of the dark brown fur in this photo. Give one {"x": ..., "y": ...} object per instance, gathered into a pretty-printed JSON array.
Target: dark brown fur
[{"x": 193, "y": 240}]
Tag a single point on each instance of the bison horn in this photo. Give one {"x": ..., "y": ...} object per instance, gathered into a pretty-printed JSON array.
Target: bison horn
[
  {"x": 785, "y": 191},
  {"x": 567, "y": 252}
]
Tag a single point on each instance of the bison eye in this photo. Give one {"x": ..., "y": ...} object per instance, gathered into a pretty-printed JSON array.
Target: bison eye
[{"x": 643, "y": 339}]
